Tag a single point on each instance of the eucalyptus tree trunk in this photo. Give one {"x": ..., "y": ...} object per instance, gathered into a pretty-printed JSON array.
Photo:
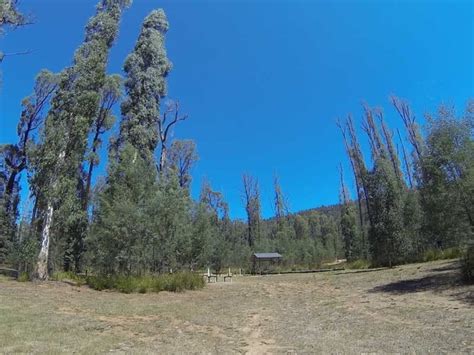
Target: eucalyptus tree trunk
[
  {"x": 41, "y": 272},
  {"x": 70, "y": 119},
  {"x": 163, "y": 155},
  {"x": 43, "y": 257}
]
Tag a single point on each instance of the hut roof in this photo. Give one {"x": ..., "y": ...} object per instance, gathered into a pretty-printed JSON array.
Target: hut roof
[{"x": 267, "y": 255}]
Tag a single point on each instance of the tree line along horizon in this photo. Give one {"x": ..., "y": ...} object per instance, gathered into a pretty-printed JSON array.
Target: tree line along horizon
[{"x": 414, "y": 193}]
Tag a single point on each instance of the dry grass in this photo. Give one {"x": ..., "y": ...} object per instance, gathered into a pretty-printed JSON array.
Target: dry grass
[{"x": 414, "y": 308}]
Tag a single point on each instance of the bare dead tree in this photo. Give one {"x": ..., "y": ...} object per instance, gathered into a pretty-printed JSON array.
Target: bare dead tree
[
  {"x": 214, "y": 201},
  {"x": 405, "y": 160},
  {"x": 182, "y": 157},
  {"x": 164, "y": 126},
  {"x": 344, "y": 195},
  {"x": 372, "y": 131},
  {"x": 16, "y": 155},
  {"x": 392, "y": 153},
  {"x": 12, "y": 54},
  {"x": 251, "y": 198},
  {"x": 281, "y": 203},
  {"x": 408, "y": 119},
  {"x": 359, "y": 169},
  {"x": 354, "y": 164},
  {"x": 110, "y": 95}
]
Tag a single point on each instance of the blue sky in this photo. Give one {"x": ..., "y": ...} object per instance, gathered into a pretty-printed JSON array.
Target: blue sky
[{"x": 264, "y": 81}]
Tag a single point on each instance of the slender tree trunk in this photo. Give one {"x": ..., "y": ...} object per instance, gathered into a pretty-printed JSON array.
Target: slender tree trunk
[
  {"x": 9, "y": 189},
  {"x": 405, "y": 160},
  {"x": 163, "y": 157},
  {"x": 85, "y": 201},
  {"x": 43, "y": 257},
  {"x": 42, "y": 264},
  {"x": 87, "y": 191}
]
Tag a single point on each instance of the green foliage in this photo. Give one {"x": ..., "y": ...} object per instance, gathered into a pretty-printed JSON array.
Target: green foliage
[
  {"x": 388, "y": 244},
  {"x": 23, "y": 253},
  {"x": 446, "y": 171},
  {"x": 69, "y": 276},
  {"x": 148, "y": 64},
  {"x": 176, "y": 282},
  {"x": 122, "y": 228},
  {"x": 358, "y": 264},
  {"x": 350, "y": 233},
  {"x": 442, "y": 254},
  {"x": 23, "y": 277},
  {"x": 57, "y": 163},
  {"x": 11, "y": 16},
  {"x": 141, "y": 223}
]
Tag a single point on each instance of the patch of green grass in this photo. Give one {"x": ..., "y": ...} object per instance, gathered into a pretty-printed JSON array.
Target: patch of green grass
[
  {"x": 69, "y": 275},
  {"x": 177, "y": 282}
]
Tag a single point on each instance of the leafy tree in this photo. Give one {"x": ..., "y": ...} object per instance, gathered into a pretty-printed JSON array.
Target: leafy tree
[
  {"x": 11, "y": 16},
  {"x": 352, "y": 245},
  {"x": 122, "y": 237},
  {"x": 146, "y": 69},
  {"x": 57, "y": 167},
  {"x": 14, "y": 157},
  {"x": 173, "y": 224},
  {"x": 447, "y": 185},
  {"x": 110, "y": 94},
  {"x": 386, "y": 234}
]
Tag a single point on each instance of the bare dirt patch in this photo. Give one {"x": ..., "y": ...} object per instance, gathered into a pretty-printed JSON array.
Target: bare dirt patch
[{"x": 413, "y": 308}]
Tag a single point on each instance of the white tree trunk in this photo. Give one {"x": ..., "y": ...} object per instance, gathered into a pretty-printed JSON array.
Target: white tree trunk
[
  {"x": 42, "y": 264},
  {"x": 162, "y": 157}
]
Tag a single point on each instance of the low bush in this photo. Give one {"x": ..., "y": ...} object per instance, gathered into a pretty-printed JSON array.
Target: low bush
[
  {"x": 70, "y": 276},
  {"x": 439, "y": 254},
  {"x": 23, "y": 277},
  {"x": 176, "y": 282},
  {"x": 358, "y": 264}
]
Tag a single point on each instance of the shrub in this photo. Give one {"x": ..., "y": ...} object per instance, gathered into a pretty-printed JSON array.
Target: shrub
[
  {"x": 467, "y": 263},
  {"x": 177, "y": 282},
  {"x": 23, "y": 277},
  {"x": 69, "y": 275},
  {"x": 452, "y": 253},
  {"x": 358, "y": 264},
  {"x": 438, "y": 254}
]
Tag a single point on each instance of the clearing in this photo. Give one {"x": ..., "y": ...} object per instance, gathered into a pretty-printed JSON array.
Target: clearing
[{"x": 412, "y": 308}]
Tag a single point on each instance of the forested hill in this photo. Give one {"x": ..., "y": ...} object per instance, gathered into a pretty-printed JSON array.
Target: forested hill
[{"x": 333, "y": 211}]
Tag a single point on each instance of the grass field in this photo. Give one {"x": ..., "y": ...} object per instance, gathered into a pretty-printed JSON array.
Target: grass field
[{"x": 413, "y": 308}]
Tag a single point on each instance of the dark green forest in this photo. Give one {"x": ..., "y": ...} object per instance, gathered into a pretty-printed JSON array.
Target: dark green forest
[{"x": 413, "y": 197}]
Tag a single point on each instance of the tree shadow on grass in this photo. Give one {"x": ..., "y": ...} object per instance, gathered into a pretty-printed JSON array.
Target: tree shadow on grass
[
  {"x": 444, "y": 279},
  {"x": 453, "y": 265},
  {"x": 359, "y": 271}
]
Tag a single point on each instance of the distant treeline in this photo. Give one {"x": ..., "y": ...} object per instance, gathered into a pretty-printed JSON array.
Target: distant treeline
[{"x": 140, "y": 218}]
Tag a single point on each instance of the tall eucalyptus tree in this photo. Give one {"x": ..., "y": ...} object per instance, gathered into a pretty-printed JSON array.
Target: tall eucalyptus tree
[{"x": 71, "y": 116}]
